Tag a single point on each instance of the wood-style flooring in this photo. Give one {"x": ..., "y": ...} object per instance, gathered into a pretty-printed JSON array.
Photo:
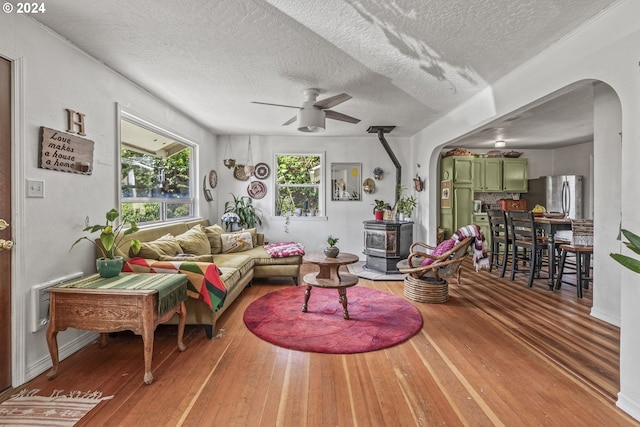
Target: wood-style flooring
[{"x": 498, "y": 353}]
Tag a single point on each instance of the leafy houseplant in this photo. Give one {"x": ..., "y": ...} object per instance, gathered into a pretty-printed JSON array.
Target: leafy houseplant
[
  {"x": 332, "y": 251},
  {"x": 406, "y": 205},
  {"x": 242, "y": 206},
  {"x": 633, "y": 244},
  {"x": 378, "y": 209},
  {"x": 111, "y": 236}
]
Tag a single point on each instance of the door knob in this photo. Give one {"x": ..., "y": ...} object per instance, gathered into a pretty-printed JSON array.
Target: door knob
[{"x": 5, "y": 245}]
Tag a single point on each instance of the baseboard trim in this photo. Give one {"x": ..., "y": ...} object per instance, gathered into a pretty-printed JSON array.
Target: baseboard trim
[
  {"x": 629, "y": 406},
  {"x": 44, "y": 364}
]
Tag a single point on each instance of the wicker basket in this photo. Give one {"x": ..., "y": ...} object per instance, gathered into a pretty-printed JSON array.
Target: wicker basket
[{"x": 427, "y": 289}]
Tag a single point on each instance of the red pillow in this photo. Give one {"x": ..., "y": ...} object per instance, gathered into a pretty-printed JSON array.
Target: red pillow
[{"x": 442, "y": 248}]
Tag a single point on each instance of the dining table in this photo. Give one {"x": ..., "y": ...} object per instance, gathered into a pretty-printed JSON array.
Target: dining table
[{"x": 550, "y": 226}]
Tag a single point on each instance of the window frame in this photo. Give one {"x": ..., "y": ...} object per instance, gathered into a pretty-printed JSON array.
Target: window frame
[
  {"x": 322, "y": 205},
  {"x": 193, "y": 199}
]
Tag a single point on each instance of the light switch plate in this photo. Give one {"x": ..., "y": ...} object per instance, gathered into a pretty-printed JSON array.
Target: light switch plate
[{"x": 35, "y": 188}]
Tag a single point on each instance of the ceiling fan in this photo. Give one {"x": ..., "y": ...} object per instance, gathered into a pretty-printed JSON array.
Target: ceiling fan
[{"x": 311, "y": 115}]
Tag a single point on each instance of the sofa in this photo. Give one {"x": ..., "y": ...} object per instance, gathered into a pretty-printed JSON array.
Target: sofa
[{"x": 237, "y": 268}]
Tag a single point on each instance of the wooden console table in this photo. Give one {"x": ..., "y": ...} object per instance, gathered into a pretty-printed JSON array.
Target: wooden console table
[
  {"x": 136, "y": 302},
  {"x": 330, "y": 277}
]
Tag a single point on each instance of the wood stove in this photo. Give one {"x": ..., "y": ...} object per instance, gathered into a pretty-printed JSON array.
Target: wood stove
[{"x": 386, "y": 243}]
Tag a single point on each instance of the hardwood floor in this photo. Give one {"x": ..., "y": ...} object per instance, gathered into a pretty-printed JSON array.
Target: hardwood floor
[{"x": 498, "y": 353}]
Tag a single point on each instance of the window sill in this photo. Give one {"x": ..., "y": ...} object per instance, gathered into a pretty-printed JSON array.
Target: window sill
[{"x": 300, "y": 218}]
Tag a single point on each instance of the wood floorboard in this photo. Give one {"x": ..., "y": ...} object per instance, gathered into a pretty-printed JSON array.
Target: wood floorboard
[{"x": 497, "y": 353}]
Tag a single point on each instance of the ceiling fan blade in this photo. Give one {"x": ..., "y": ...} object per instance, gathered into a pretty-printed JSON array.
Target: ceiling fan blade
[
  {"x": 332, "y": 101},
  {"x": 291, "y": 120},
  {"x": 275, "y": 105},
  {"x": 339, "y": 116}
]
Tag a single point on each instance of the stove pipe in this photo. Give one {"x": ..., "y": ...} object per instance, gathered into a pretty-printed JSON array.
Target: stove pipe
[{"x": 381, "y": 130}]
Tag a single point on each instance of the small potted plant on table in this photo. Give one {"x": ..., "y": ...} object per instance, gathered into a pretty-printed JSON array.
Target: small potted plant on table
[
  {"x": 379, "y": 208},
  {"x": 332, "y": 251},
  {"x": 110, "y": 265}
]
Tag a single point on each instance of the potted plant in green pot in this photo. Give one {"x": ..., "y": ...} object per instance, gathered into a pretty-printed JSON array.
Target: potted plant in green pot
[
  {"x": 332, "y": 251},
  {"x": 110, "y": 239},
  {"x": 248, "y": 215}
]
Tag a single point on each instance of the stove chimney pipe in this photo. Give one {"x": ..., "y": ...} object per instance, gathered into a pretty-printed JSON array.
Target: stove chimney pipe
[{"x": 381, "y": 130}]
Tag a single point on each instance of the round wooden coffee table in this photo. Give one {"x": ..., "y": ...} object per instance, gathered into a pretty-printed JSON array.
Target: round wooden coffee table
[{"x": 329, "y": 276}]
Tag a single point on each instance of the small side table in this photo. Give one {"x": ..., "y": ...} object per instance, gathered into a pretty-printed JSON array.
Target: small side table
[
  {"x": 329, "y": 276},
  {"x": 100, "y": 305}
]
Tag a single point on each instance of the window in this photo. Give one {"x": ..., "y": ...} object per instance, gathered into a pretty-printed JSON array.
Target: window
[
  {"x": 299, "y": 185},
  {"x": 156, "y": 169}
]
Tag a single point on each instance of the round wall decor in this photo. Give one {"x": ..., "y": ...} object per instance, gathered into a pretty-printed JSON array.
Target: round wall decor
[
  {"x": 262, "y": 171},
  {"x": 213, "y": 178},
  {"x": 256, "y": 190}
]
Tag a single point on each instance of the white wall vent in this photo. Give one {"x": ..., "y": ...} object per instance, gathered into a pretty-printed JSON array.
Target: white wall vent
[{"x": 40, "y": 300}]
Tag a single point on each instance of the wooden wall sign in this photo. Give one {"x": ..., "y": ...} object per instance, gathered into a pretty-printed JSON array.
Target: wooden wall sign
[{"x": 65, "y": 152}]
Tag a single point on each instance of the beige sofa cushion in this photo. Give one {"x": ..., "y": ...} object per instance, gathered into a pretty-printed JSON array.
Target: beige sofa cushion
[
  {"x": 165, "y": 245},
  {"x": 188, "y": 257},
  {"x": 194, "y": 241}
]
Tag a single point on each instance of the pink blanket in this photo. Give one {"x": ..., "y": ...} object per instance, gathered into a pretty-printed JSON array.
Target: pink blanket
[{"x": 284, "y": 249}]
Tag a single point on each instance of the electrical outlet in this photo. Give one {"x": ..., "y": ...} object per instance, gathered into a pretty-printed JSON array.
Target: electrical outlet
[{"x": 35, "y": 188}]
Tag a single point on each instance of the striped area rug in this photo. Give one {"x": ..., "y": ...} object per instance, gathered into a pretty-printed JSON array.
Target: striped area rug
[{"x": 26, "y": 408}]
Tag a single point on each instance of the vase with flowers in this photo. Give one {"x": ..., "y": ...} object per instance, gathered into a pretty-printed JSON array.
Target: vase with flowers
[
  {"x": 110, "y": 239},
  {"x": 230, "y": 221}
]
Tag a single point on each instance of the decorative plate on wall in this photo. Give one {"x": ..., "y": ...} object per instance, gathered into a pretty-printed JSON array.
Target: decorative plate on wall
[
  {"x": 213, "y": 178},
  {"x": 239, "y": 174},
  {"x": 257, "y": 190},
  {"x": 262, "y": 171}
]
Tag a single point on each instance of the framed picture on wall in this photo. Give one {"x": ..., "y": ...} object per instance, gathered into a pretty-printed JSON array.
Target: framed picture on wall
[{"x": 445, "y": 196}]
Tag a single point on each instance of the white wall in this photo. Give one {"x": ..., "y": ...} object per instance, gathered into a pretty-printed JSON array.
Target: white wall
[
  {"x": 342, "y": 219},
  {"x": 50, "y": 77},
  {"x": 604, "y": 50}
]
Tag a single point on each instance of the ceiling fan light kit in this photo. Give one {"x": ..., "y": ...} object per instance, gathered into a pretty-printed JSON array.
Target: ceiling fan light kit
[
  {"x": 312, "y": 114},
  {"x": 311, "y": 120}
]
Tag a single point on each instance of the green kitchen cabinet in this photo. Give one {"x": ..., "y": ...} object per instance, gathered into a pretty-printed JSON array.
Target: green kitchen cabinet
[
  {"x": 458, "y": 169},
  {"x": 462, "y": 207},
  {"x": 514, "y": 175},
  {"x": 487, "y": 174},
  {"x": 456, "y": 202}
]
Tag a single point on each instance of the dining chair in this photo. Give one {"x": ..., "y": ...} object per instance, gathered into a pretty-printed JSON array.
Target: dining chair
[
  {"x": 528, "y": 246},
  {"x": 581, "y": 249},
  {"x": 500, "y": 240}
]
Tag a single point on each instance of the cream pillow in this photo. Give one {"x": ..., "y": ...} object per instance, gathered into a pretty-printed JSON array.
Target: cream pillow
[
  {"x": 165, "y": 245},
  {"x": 236, "y": 242},
  {"x": 194, "y": 241}
]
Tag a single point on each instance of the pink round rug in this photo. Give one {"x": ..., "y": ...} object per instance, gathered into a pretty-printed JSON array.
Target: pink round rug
[{"x": 377, "y": 320}]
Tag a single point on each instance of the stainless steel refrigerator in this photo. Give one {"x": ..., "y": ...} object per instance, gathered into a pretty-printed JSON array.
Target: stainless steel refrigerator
[{"x": 559, "y": 193}]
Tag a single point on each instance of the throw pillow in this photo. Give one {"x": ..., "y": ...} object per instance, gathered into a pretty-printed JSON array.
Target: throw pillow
[
  {"x": 194, "y": 241},
  {"x": 442, "y": 248},
  {"x": 236, "y": 242},
  {"x": 165, "y": 245},
  {"x": 213, "y": 233}
]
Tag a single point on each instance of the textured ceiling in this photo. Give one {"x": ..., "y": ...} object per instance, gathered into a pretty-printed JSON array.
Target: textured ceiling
[{"x": 405, "y": 62}]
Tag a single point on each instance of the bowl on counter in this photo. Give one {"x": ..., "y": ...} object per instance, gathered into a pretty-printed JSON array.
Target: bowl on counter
[{"x": 555, "y": 215}]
